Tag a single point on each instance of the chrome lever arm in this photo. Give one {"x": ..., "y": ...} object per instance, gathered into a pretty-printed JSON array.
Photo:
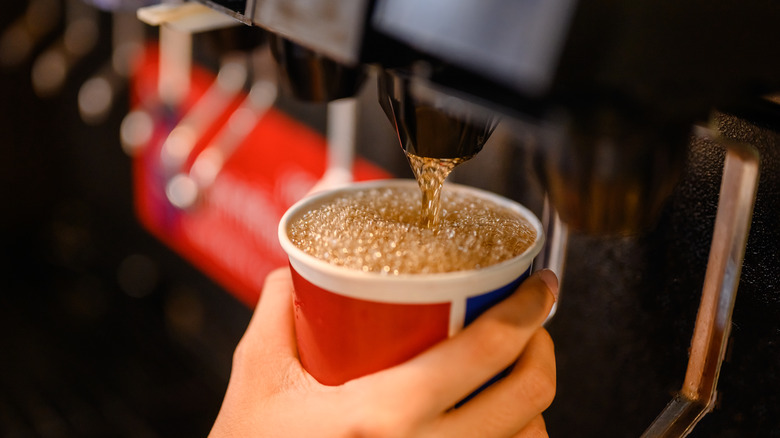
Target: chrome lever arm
[{"x": 713, "y": 322}]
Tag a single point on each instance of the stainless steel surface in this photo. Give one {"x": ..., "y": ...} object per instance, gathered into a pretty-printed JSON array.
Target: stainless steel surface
[
  {"x": 330, "y": 27},
  {"x": 241, "y": 10},
  {"x": 678, "y": 418},
  {"x": 513, "y": 42}
]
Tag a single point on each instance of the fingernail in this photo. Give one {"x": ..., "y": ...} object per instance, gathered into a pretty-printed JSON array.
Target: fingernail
[{"x": 551, "y": 280}]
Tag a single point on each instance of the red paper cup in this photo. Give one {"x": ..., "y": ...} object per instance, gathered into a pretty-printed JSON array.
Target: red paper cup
[{"x": 350, "y": 323}]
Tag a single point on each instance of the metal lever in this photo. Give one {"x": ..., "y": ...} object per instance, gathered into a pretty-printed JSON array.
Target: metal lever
[
  {"x": 187, "y": 188},
  {"x": 342, "y": 130},
  {"x": 553, "y": 254},
  {"x": 713, "y": 322}
]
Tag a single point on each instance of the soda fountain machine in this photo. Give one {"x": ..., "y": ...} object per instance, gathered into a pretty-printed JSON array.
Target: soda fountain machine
[
  {"x": 613, "y": 102},
  {"x": 646, "y": 135}
]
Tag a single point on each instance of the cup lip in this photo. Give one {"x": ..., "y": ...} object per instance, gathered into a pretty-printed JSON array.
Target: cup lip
[{"x": 407, "y": 287}]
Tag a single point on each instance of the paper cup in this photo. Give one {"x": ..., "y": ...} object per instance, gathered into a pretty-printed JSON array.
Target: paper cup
[{"x": 350, "y": 323}]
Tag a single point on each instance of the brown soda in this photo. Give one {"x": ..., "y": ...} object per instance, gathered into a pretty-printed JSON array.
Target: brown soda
[{"x": 379, "y": 230}]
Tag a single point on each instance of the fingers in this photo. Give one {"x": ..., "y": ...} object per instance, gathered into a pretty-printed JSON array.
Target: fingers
[
  {"x": 535, "y": 429},
  {"x": 456, "y": 367},
  {"x": 271, "y": 331},
  {"x": 263, "y": 357},
  {"x": 513, "y": 403}
]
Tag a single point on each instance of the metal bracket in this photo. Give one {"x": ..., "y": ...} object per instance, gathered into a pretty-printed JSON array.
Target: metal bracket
[
  {"x": 186, "y": 17},
  {"x": 713, "y": 322}
]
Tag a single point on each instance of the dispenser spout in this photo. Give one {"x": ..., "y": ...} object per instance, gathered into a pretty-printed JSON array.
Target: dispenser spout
[{"x": 427, "y": 128}]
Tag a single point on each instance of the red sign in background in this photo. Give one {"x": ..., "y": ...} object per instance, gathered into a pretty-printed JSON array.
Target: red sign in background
[{"x": 231, "y": 233}]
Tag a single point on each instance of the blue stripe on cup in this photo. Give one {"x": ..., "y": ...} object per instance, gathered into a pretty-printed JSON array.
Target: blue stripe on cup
[{"x": 475, "y": 306}]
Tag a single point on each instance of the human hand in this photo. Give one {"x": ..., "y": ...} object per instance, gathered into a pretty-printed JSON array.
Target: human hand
[{"x": 271, "y": 395}]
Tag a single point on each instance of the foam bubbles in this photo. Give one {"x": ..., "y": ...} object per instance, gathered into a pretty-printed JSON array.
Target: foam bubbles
[{"x": 379, "y": 230}]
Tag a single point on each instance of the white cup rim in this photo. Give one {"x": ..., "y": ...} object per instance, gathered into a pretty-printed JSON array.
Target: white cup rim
[{"x": 407, "y": 288}]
